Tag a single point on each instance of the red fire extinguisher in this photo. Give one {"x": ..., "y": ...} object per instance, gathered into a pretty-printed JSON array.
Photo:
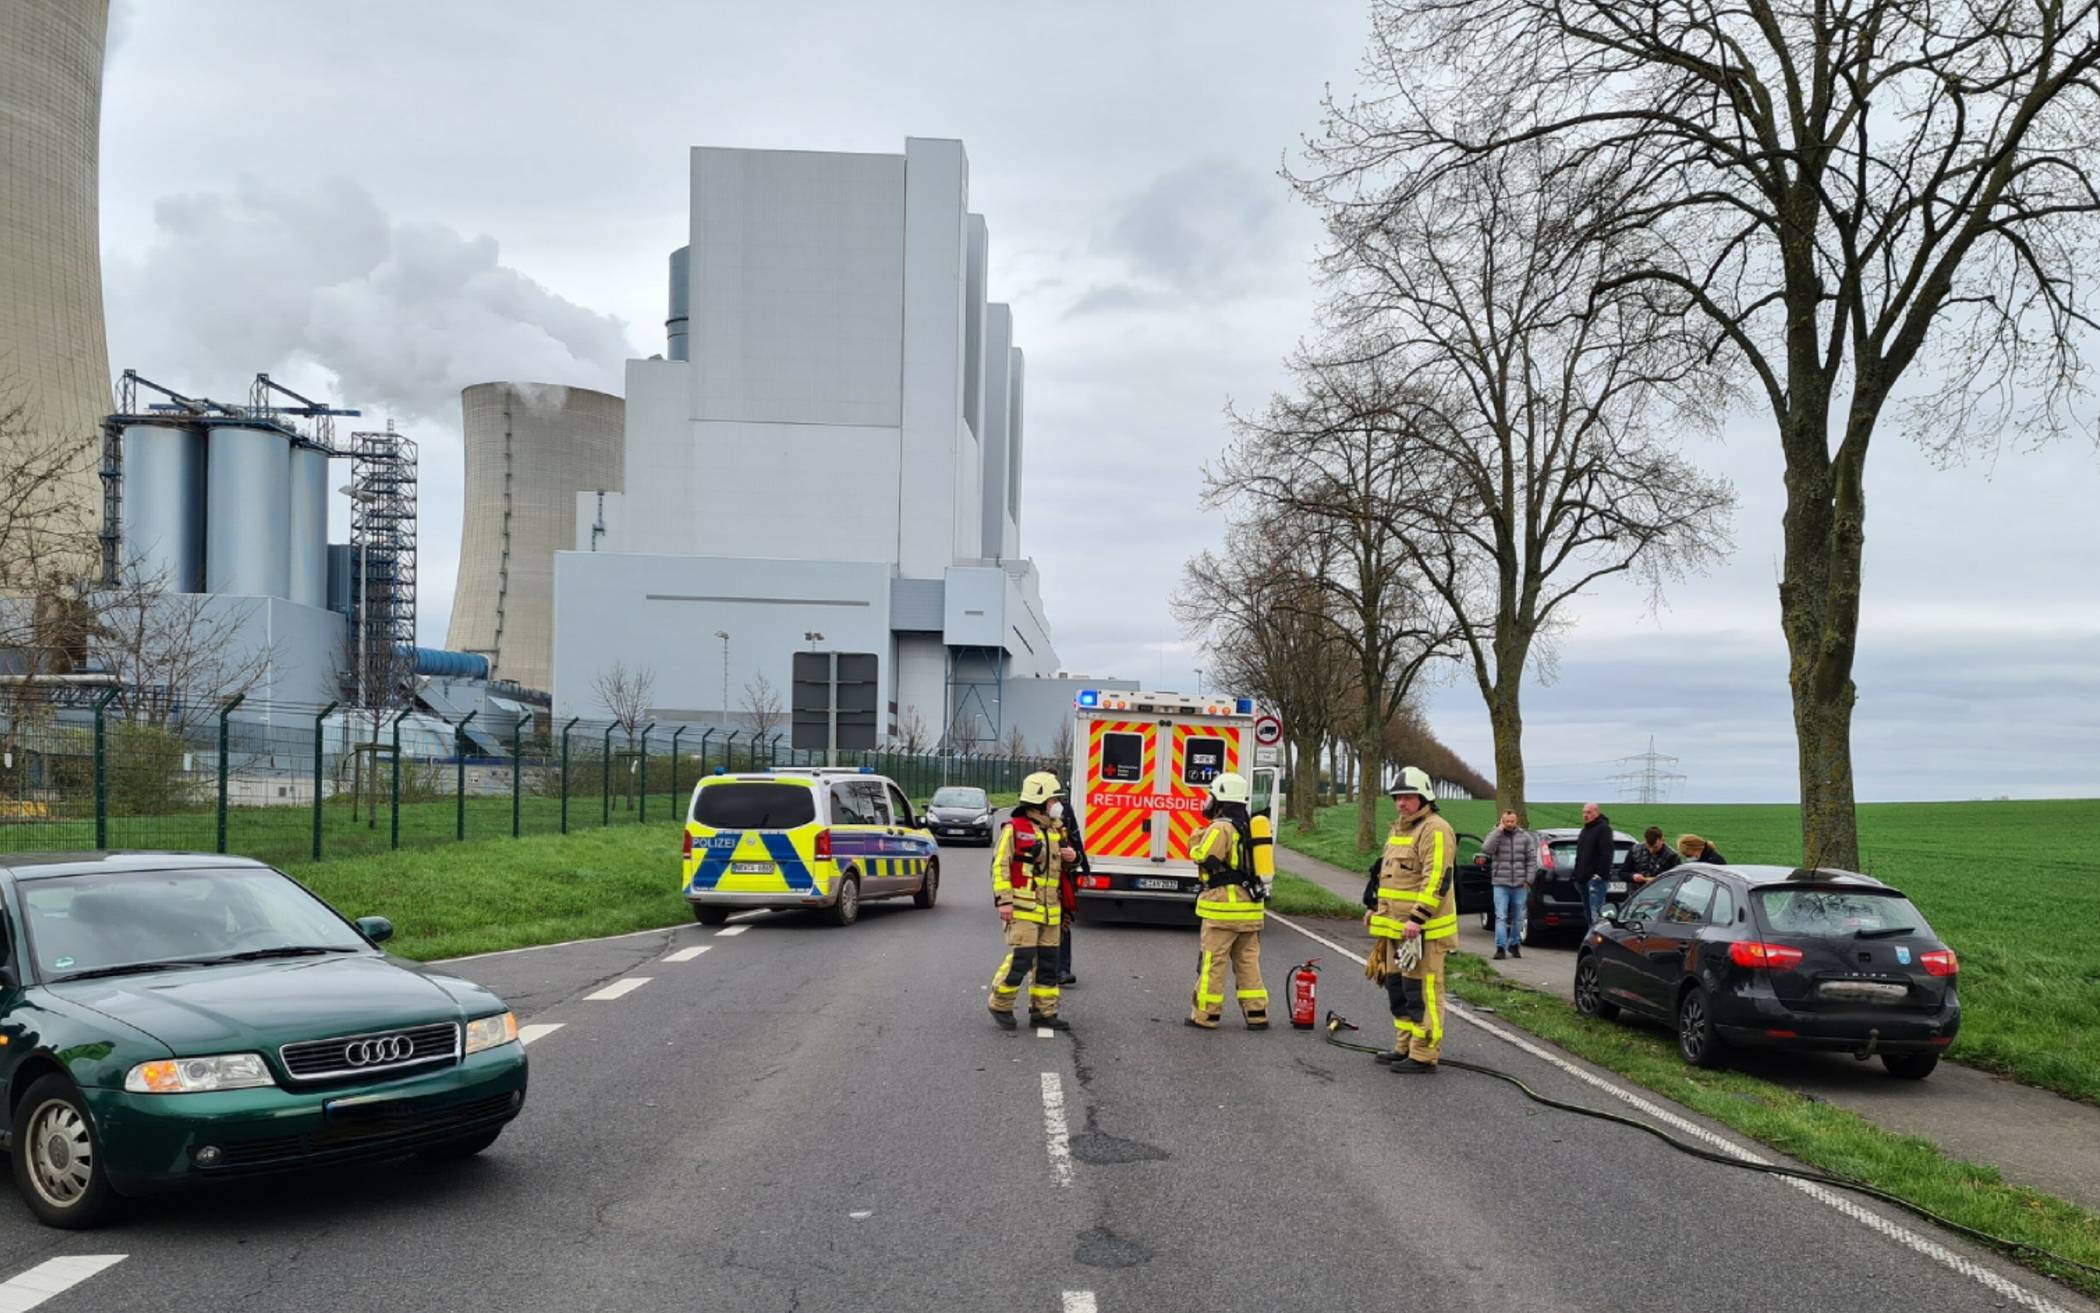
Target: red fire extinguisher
[{"x": 1305, "y": 990}]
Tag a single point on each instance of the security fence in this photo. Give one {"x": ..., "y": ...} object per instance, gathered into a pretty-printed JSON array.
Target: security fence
[{"x": 85, "y": 767}]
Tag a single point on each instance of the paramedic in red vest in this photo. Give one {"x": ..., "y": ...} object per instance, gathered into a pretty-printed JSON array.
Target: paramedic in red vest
[{"x": 1026, "y": 875}]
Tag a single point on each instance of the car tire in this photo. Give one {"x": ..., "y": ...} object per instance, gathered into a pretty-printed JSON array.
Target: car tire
[
  {"x": 706, "y": 915},
  {"x": 1910, "y": 1066},
  {"x": 452, "y": 1151},
  {"x": 845, "y": 909},
  {"x": 57, "y": 1155},
  {"x": 1697, "y": 1041},
  {"x": 1589, "y": 994},
  {"x": 929, "y": 888}
]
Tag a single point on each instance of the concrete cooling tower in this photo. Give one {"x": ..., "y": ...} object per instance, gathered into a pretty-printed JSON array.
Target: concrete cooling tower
[
  {"x": 54, "y": 359},
  {"x": 530, "y": 447}
]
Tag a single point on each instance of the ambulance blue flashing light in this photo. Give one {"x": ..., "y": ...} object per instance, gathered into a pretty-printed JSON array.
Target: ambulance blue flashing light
[
  {"x": 1245, "y": 706},
  {"x": 867, "y": 770},
  {"x": 1090, "y": 698}
]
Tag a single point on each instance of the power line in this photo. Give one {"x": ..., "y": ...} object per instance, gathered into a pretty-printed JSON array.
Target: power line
[{"x": 1645, "y": 780}]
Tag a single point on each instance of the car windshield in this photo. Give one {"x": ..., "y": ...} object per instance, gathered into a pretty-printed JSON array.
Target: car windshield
[
  {"x": 958, "y": 798},
  {"x": 1853, "y": 912},
  {"x": 754, "y": 805},
  {"x": 105, "y": 923}
]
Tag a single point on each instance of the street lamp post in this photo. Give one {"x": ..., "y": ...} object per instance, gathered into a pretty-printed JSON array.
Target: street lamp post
[
  {"x": 811, "y": 637},
  {"x": 1199, "y": 681},
  {"x": 723, "y": 634}
]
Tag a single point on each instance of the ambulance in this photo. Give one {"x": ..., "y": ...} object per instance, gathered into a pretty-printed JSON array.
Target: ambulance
[{"x": 1140, "y": 764}]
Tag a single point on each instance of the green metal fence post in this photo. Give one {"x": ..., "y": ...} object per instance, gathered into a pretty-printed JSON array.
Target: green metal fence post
[
  {"x": 459, "y": 787},
  {"x": 729, "y": 750},
  {"x": 224, "y": 712},
  {"x": 565, "y": 772},
  {"x": 703, "y": 748},
  {"x": 102, "y": 771},
  {"x": 676, "y": 734},
  {"x": 517, "y": 778},
  {"x": 605, "y": 779},
  {"x": 394, "y": 817},
  {"x": 644, "y": 776},
  {"x": 319, "y": 759}
]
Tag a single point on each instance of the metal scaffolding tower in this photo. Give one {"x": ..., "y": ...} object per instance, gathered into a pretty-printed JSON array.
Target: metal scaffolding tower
[
  {"x": 1645, "y": 780},
  {"x": 383, "y": 554},
  {"x": 975, "y": 692}
]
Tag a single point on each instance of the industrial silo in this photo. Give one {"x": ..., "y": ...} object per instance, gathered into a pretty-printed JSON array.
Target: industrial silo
[
  {"x": 530, "y": 448},
  {"x": 248, "y": 519},
  {"x": 54, "y": 360},
  {"x": 307, "y": 567},
  {"x": 163, "y": 519}
]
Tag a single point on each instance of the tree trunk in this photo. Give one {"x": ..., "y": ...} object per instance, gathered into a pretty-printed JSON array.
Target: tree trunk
[
  {"x": 1370, "y": 774},
  {"x": 1305, "y": 782},
  {"x": 1506, "y": 720},
  {"x": 1825, "y": 535}
]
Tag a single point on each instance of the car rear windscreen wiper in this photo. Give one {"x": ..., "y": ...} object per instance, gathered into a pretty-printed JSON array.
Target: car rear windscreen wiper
[
  {"x": 1885, "y": 932},
  {"x": 287, "y": 950}
]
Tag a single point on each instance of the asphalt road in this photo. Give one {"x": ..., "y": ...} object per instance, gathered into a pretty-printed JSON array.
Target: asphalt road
[{"x": 806, "y": 1118}]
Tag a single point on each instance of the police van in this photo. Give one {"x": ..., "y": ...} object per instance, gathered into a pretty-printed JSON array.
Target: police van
[
  {"x": 812, "y": 837},
  {"x": 1140, "y": 766}
]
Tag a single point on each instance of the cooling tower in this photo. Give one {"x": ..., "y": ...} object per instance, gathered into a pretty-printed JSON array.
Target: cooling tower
[
  {"x": 54, "y": 360},
  {"x": 530, "y": 448}
]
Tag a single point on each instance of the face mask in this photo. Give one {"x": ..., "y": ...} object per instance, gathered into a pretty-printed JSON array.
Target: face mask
[{"x": 1057, "y": 811}]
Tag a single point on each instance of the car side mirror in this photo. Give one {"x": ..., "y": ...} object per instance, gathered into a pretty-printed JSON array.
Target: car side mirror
[
  {"x": 375, "y": 928},
  {"x": 1611, "y": 913}
]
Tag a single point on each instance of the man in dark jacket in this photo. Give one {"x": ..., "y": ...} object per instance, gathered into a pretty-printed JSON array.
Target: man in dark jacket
[
  {"x": 1648, "y": 859},
  {"x": 1593, "y": 864}
]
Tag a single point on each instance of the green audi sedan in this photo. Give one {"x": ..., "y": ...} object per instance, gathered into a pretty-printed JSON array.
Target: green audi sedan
[{"x": 169, "y": 1018}]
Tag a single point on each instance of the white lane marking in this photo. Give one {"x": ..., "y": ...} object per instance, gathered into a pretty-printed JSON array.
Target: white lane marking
[
  {"x": 863, "y": 1215},
  {"x": 617, "y": 989},
  {"x": 1902, "y": 1235},
  {"x": 1055, "y": 1131},
  {"x": 534, "y": 948},
  {"x": 1044, "y": 1032},
  {"x": 539, "y": 1030},
  {"x": 685, "y": 954},
  {"x": 1079, "y": 1301},
  {"x": 726, "y": 931},
  {"x": 51, "y": 1277}
]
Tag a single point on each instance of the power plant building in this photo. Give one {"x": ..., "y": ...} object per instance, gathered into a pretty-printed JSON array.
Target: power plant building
[
  {"x": 828, "y": 459},
  {"x": 530, "y": 449},
  {"x": 54, "y": 358}
]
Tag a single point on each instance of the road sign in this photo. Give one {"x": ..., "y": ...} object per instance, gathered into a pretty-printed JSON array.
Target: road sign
[
  {"x": 832, "y": 701},
  {"x": 1268, "y": 731},
  {"x": 1265, "y": 756}
]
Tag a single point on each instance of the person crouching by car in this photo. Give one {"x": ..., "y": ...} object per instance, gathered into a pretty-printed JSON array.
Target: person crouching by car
[
  {"x": 1692, "y": 848},
  {"x": 1648, "y": 859},
  {"x": 1511, "y": 855}
]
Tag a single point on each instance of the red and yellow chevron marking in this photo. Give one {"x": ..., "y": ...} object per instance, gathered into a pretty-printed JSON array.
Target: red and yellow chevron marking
[
  {"x": 1185, "y": 823},
  {"x": 1113, "y": 829}
]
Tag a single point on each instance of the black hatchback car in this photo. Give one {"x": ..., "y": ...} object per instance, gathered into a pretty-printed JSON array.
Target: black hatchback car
[
  {"x": 1771, "y": 957},
  {"x": 1554, "y": 908}
]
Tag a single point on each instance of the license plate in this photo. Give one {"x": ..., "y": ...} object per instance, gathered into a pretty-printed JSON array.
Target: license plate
[
  {"x": 1148, "y": 882},
  {"x": 751, "y": 868},
  {"x": 1864, "y": 991},
  {"x": 1616, "y": 887}
]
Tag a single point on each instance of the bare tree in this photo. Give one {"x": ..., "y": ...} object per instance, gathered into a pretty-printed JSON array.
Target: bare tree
[
  {"x": 1843, "y": 194},
  {"x": 1061, "y": 743},
  {"x": 912, "y": 734},
  {"x": 1543, "y": 471},
  {"x": 1015, "y": 744},
  {"x": 626, "y": 695},
  {"x": 1271, "y": 628},
  {"x": 177, "y": 657},
  {"x": 47, "y": 547},
  {"x": 1337, "y": 464},
  {"x": 763, "y": 711}
]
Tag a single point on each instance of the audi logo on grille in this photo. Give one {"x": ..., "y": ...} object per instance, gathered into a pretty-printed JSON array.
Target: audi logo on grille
[{"x": 378, "y": 1051}]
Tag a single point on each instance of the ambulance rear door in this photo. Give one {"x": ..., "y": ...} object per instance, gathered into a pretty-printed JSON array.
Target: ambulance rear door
[
  {"x": 1200, "y": 748},
  {"x": 1122, "y": 773}
]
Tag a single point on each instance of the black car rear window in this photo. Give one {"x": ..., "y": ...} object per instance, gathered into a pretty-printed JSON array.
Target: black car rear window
[
  {"x": 1838, "y": 911},
  {"x": 757, "y": 805}
]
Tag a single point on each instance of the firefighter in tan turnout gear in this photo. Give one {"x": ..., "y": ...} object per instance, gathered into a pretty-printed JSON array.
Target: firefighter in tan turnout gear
[
  {"x": 1028, "y": 862},
  {"x": 1414, "y": 923},
  {"x": 1229, "y": 910}
]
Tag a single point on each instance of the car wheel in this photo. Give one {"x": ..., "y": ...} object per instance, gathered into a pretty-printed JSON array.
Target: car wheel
[
  {"x": 453, "y": 1151},
  {"x": 929, "y": 888},
  {"x": 58, "y": 1157},
  {"x": 1696, "y": 1039},
  {"x": 1910, "y": 1066},
  {"x": 1589, "y": 996},
  {"x": 706, "y": 915},
  {"x": 845, "y": 909}
]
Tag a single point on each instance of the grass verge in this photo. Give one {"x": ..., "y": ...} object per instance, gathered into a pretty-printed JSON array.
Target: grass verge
[
  {"x": 486, "y": 895},
  {"x": 1818, "y": 1134},
  {"x": 1294, "y": 895}
]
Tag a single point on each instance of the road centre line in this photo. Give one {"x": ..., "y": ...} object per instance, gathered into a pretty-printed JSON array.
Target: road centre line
[
  {"x": 53, "y": 1276},
  {"x": 616, "y": 989},
  {"x": 1055, "y": 1132},
  {"x": 538, "y": 1031},
  {"x": 534, "y": 948},
  {"x": 1044, "y": 1032},
  {"x": 1079, "y": 1301},
  {"x": 727, "y": 931},
  {"x": 1902, "y": 1235},
  {"x": 686, "y": 954}
]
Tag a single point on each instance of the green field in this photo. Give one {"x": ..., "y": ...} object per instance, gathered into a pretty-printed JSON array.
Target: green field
[{"x": 2013, "y": 887}]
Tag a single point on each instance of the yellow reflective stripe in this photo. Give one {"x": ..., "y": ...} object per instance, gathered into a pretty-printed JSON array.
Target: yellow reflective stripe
[
  {"x": 1431, "y": 1011},
  {"x": 1261, "y": 994},
  {"x": 1436, "y": 866},
  {"x": 1203, "y": 981},
  {"x": 1229, "y": 911},
  {"x": 1446, "y": 933},
  {"x": 1002, "y": 854},
  {"x": 1406, "y": 1027},
  {"x": 1439, "y": 922},
  {"x": 1407, "y": 896},
  {"x": 1044, "y": 991},
  {"x": 999, "y": 985},
  {"x": 1401, "y": 841}
]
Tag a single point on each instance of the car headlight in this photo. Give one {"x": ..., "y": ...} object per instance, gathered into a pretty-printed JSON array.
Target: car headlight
[
  {"x": 226, "y": 1071},
  {"x": 490, "y": 1032}
]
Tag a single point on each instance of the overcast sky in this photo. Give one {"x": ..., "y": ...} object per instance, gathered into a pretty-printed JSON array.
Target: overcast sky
[{"x": 393, "y": 200}]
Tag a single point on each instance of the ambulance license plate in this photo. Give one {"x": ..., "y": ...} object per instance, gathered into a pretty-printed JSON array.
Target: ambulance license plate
[
  {"x": 1149, "y": 882},
  {"x": 751, "y": 868}
]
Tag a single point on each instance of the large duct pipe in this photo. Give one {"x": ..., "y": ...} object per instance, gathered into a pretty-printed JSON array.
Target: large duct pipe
[
  {"x": 308, "y": 527},
  {"x": 449, "y": 665},
  {"x": 163, "y": 520},
  {"x": 247, "y": 536},
  {"x": 681, "y": 304}
]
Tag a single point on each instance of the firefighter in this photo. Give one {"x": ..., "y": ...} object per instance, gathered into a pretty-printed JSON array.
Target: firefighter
[
  {"x": 1026, "y": 870},
  {"x": 1414, "y": 923},
  {"x": 1228, "y": 909}
]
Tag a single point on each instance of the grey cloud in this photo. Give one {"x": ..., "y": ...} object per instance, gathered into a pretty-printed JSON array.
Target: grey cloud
[{"x": 1199, "y": 230}]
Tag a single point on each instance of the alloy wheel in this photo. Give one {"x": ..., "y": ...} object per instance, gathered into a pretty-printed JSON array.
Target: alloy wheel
[
  {"x": 1586, "y": 987},
  {"x": 61, "y": 1153},
  {"x": 1691, "y": 1027}
]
